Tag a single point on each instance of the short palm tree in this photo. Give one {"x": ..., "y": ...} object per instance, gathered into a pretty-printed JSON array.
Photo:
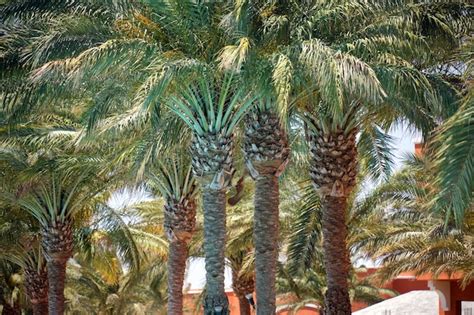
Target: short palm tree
[
  {"x": 25, "y": 251},
  {"x": 211, "y": 109},
  {"x": 54, "y": 198},
  {"x": 174, "y": 180}
]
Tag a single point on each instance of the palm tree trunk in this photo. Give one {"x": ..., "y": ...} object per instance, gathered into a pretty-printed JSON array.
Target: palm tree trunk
[
  {"x": 8, "y": 309},
  {"x": 36, "y": 282},
  {"x": 333, "y": 173},
  {"x": 336, "y": 256},
  {"x": 266, "y": 227},
  {"x": 178, "y": 253},
  {"x": 214, "y": 203},
  {"x": 40, "y": 307},
  {"x": 244, "y": 305},
  {"x": 56, "y": 279},
  {"x": 57, "y": 244}
]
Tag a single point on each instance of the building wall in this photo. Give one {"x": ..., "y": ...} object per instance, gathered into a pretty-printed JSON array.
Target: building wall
[
  {"x": 400, "y": 285},
  {"x": 458, "y": 295}
]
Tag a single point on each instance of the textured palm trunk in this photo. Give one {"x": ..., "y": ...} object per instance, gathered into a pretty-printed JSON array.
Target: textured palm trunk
[
  {"x": 336, "y": 256},
  {"x": 178, "y": 253},
  {"x": 36, "y": 282},
  {"x": 56, "y": 279},
  {"x": 333, "y": 172},
  {"x": 57, "y": 244},
  {"x": 180, "y": 221},
  {"x": 214, "y": 203},
  {"x": 244, "y": 306},
  {"x": 40, "y": 308},
  {"x": 9, "y": 309},
  {"x": 266, "y": 154},
  {"x": 266, "y": 229}
]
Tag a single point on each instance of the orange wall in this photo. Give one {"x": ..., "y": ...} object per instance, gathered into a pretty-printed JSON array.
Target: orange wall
[
  {"x": 400, "y": 285},
  {"x": 458, "y": 295}
]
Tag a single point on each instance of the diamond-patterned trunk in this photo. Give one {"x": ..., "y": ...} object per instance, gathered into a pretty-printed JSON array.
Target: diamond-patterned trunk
[
  {"x": 266, "y": 154},
  {"x": 213, "y": 167},
  {"x": 57, "y": 244},
  {"x": 36, "y": 284},
  {"x": 333, "y": 173},
  {"x": 180, "y": 221}
]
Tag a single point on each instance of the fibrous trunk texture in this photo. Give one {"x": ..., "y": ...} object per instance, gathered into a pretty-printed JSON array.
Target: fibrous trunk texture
[
  {"x": 212, "y": 159},
  {"x": 180, "y": 220},
  {"x": 213, "y": 167},
  {"x": 57, "y": 245},
  {"x": 9, "y": 309},
  {"x": 266, "y": 153},
  {"x": 36, "y": 284},
  {"x": 214, "y": 249},
  {"x": 333, "y": 172},
  {"x": 242, "y": 285},
  {"x": 178, "y": 253},
  {"x": 266, "y": 227}
]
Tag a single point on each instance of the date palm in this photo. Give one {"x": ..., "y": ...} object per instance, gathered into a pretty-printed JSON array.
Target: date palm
[
  {"x": 53, "y": 198},
  {"x": 174, "y": 180},
  {"x": 20, "y": 245},
  {"x": 266, "y": 153},
  {"x": 212, "y": 107},
  {"x": 406, "y": 233}
]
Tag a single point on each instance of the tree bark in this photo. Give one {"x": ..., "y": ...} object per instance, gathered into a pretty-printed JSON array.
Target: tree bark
[
  {"x": 178, "y": 253},
  {"x": 36, "y": 283},
  {"x": 266, "y": 234},
  {"x": 244, "y": 306},
  {"x": 336, "y": 256},
  {"x": 214, "y": 203},
  {"x": 40, "y": 307},
  {"x": 56, "y": 279},
  {"x": 10, "y": 310}
]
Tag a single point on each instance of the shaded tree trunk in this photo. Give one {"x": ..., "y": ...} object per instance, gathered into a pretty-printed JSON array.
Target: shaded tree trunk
[
  {"x": 180, "y": 221},
  {"x": 241, "y": 284},
  {"x": 36, "y": 283},
  {"x": 244, "y": 305},
  {"x": 266, "y": 232},
  {"x": 40, "y": 307},
  {"x": 214, "y": 203},
  {"x": 336, "y": 256},
  {"x": 10, "y": 309},
  {"x": 56, "y": 279},
  {"x": 178, "y": 253},
  {"x": 333, "y": 173},
  {"x": 57, "y": 245}
]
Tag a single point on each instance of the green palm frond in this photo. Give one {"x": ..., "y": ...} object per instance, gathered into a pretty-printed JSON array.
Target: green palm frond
[
  {"x": 454, "y": 158},
  {"x": 207, "y": 107},
  {"x": 375, "y": 148}
]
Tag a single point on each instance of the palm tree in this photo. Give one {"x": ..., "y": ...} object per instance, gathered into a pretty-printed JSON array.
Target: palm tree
[
  {"x": 174, "y": 180},
  {"x": 309, "y": 287},
  {"x": 19, "y": 244},
  {"x": 453, "y": 161},
  {"x": 212, "y": 110},
  {"x": 53, "y": 198},
  {"x": 266, "y": 154},
  {"x": 405, "y": 233}
]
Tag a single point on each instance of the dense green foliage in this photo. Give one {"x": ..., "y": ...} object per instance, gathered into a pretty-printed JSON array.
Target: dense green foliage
[{"x": 98, "y": 97}]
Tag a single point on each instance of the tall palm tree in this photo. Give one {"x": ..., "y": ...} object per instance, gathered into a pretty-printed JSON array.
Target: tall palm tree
[
  {"x": 266, "y": 152},
  {"x": 212, "y": 109},
  {"x": 174, "y": 180}
]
